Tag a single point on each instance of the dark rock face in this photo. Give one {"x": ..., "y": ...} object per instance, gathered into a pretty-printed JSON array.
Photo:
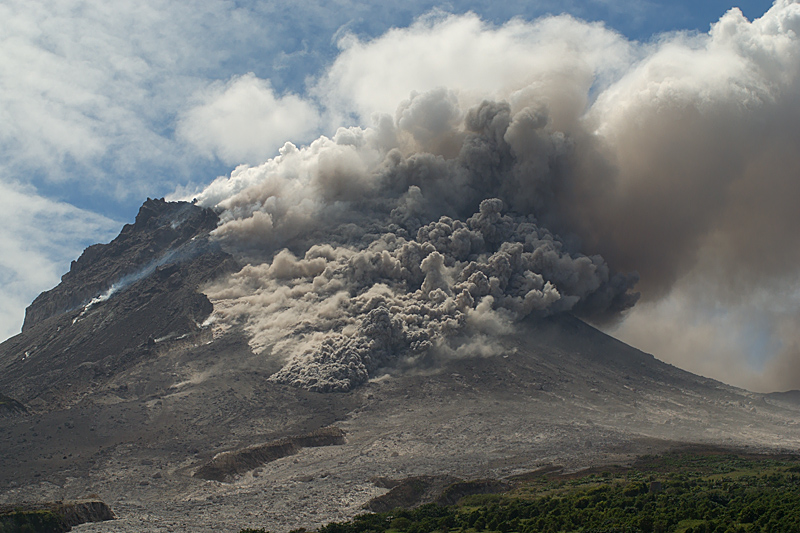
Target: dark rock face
[
  {"x": 159, "y": 227},
  {"x": 114, "y": 304},
  {"x": 441, "y": 490},
  {"x": 9, "y": 407},
  {"x": 81, "y": 512},
  {"x": 411, "y": 492},
  {"x": 452, "y": 494}
]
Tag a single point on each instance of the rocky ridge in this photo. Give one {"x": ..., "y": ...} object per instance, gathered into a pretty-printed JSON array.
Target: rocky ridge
[
  {"x": 160, "y": 232},
  {"x": 114, "y": 306},
  {"x": 226, "y": 465}
]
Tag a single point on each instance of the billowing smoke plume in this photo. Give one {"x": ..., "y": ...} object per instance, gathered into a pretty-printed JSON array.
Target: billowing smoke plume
[
  {"x": 344, "y": 311},
  {"x": 403, "y": 252},
  {"x": 503, "y": 184}
]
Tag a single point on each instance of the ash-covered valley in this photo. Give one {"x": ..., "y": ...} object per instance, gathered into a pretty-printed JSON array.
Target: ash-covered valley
[{"x": 130, "y": 390}]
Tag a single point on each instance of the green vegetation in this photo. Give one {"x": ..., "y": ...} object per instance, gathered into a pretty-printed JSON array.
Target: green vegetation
[
  {"x": 681, "y": 493},
  {"x": 39, "y": 521},
  {"x": 51, "y": 517}
]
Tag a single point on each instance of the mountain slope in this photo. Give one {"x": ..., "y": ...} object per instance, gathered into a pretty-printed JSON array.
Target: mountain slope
[
  {"x": 128, "y": 396},
  {"x": 113, "y": 304}
]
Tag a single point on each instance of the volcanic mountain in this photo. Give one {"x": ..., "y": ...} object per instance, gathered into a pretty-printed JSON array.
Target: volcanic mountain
[{"x": 123, "y": 385}]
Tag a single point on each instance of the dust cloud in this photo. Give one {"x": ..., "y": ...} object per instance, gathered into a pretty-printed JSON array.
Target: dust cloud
[{"x": 597, "y": 172}]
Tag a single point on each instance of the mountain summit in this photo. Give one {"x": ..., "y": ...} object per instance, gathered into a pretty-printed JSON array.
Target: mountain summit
[
  {"x": 124, "y": 384},
  {"x": 116, "y": 300}
]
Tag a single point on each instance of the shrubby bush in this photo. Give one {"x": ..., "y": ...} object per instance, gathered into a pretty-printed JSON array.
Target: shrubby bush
[{"x": 697, "y": 494}]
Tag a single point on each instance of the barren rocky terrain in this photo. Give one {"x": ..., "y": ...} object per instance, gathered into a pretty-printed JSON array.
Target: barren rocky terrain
[{"x": 128, "y": 398}]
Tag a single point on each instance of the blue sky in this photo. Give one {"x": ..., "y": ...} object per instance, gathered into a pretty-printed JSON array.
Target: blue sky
[
  {"x": 103, "y": 105},
  {"x": 93, "y": 94}
]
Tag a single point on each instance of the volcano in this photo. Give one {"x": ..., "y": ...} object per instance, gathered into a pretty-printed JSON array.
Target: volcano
[{"x": 121, "y": 386}]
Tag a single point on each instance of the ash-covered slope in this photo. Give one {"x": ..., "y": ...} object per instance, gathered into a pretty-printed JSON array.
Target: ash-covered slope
[{"x": 128, "y": 394}]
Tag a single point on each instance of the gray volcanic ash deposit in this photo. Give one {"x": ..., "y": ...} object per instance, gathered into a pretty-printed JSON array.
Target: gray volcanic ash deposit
[{"x": 130, "y": 397}]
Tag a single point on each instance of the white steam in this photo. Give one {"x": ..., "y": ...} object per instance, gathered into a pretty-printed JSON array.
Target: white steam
[{"x": 523, "y": 154}]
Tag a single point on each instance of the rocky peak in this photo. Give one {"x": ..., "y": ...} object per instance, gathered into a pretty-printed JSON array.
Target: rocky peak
[
  {"x": 119, "y": 305},
  {"x": 160, "y": 228}
]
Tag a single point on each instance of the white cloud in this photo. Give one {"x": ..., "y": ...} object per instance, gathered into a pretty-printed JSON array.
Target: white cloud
[
  {"x": 89, "y": 90},
  {"x": 471, "y": 57},
  {"x": 243, "y": 121},
  {"x": 39, "y": 239}
]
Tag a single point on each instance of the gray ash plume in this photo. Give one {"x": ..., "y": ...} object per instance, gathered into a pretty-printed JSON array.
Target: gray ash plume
[{"x": 365, "y": 251}]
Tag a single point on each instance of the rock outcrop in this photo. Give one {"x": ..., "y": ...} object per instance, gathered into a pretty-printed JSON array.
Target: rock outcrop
[
  {"x": 52, "y": 517},
  {"x": 114, "y": 306},
  {"x": 452, "y": 494},
  {"x": 224, "y": 466},
  {"x": 441, "y": 490},
  {"x": 10, "y": 407},
  {"x": 410, "y": 492}
]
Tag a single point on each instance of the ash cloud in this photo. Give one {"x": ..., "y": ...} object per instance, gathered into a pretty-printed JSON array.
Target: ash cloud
[
  {"x": 344, "y": 311},
  {"x": 540, "y": 186},
  {"x": 403, "y": 251}
]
